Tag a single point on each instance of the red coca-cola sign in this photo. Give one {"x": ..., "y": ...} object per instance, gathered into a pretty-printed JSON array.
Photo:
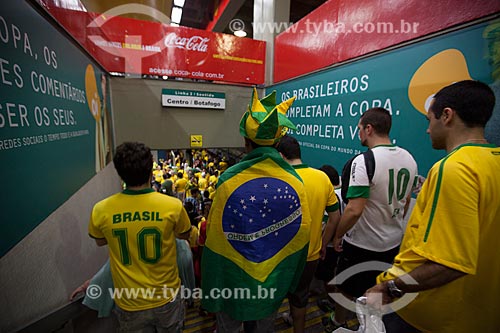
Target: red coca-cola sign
[
  {"x": 194, "y": 43},
  {"x": 133, "y": 46}
]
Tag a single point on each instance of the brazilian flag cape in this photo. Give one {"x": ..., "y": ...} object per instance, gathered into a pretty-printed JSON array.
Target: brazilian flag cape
[{"x": 257, "y": 237}]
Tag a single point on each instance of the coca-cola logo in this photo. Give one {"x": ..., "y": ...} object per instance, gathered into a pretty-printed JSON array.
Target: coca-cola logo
[{"x": 194, "y": 43}]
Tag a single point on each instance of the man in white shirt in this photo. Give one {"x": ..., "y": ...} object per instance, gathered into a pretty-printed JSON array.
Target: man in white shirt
[{"x": 371, "y": 226}]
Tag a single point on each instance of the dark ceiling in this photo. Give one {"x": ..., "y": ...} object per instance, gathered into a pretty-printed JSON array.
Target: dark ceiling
[{"x": 198, "y": 13}]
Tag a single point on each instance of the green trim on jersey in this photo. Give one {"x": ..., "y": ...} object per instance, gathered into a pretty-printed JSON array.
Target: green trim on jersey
[
  {"x": 487, "y": 145},
  {"x": 440, "y": 178},
  {"x": 390, "y": 145},
  {"x": 436, "y": 197},
  {"x": 332, "y": 208},
  {"x": 188, "y": 230},
  {"x": 136, "y": 192},
  {"x": 300, "y": 166},
  {"x": 358, "y": 192}
]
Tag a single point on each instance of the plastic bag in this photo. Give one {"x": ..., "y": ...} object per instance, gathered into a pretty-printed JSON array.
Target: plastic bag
[{"x": 370, "y": 321}]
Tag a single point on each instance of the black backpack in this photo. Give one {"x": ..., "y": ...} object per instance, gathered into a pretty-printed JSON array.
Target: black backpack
[{"x": 346, "y": 172}]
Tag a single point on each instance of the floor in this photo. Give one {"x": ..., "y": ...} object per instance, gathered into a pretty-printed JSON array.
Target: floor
[{"x": 194, "y": 323}]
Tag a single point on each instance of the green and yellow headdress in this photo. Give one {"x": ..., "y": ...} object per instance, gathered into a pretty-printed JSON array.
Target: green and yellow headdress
[{"x": 265, "y": 122}]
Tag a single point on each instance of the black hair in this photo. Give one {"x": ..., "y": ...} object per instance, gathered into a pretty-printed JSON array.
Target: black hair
[
  {"x": 189, "y": 206},
  {"x": 473, "y": 101},
  {"x": 255, "y": 145},
  {"x": 289, "y": 147},
  {"x": 134, "y": 163},
  {"x": 332, "y": 173},
  {"x": 379, "y": 119},
  {"x": 192, "y": 213}
]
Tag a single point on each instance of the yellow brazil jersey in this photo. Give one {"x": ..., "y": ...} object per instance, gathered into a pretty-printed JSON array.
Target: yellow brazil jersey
[
  {"x": 320, "y": 197},
  {"x": 456, "y": 222},
  {"x": 180, "y": 184},
  {"x": 140, "y": 228},
  {"x": 211, "y": 190},
  {"x": 193, "y": 237},
  {"x": 223, "y": 165},
  {"x": 213, "y": 179},
  {"x": 202, "y": 184},
  {"x": 158, "y": 175}
]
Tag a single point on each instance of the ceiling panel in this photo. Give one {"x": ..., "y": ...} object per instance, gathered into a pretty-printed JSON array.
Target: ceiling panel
[
  {"x": 99, "y": 6},
  {"x": 198, "y": 13}
]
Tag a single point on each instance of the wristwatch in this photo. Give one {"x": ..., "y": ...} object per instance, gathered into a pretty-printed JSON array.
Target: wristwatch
[{"x": 393, "y": 290}]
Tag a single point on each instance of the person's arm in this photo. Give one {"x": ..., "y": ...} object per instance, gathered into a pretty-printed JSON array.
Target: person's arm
[
  {"x": 351, "y": 214},
  {"x": 184, "y": 235},
  {"x": 183, "y": 226},
  {"x": 80, "y": 289},
  {"x": 101, "y": 241},
  {"x": 415, "y": 188},
  {"x": 330, "y": 228},
  {"x": 429, "y": 275},
  {"x": 407, "y": 205}
]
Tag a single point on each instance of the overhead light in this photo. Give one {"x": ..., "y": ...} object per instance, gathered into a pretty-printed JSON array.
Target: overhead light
[
  {"x": 240, "y": 33},
  {"x": 70, "y": 4},
  {"x": 176, "y": 15},
  {"x": 179, "y": 3},
  {"x": 164, "y": 77}
]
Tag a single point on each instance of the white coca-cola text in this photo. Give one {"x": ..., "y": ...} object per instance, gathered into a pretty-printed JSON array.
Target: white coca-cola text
[{"x": 194, "y": 43}]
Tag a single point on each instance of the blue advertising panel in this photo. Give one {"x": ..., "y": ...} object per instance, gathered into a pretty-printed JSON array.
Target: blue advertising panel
[
  {"x": 55, "y": 124},
  {"x": 330, "y": 103}
]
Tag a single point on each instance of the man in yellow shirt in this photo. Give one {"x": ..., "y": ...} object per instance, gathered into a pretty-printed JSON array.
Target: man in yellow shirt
[
  {"x": 214, "y": 177},
  {"x": 180, "y": 186},
  {"x": 158, "y": 174},
  {"x": 448, "y": 259},
  {"x": 139, "y": 226},
  {"x": 202, "y": 182},
  {"x": 320, "y": 197}
]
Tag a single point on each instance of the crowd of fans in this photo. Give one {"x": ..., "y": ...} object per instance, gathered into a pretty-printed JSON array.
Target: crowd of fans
[
  {"x": 271, "y": 233},
  {"x": 191, "y": 177}
]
